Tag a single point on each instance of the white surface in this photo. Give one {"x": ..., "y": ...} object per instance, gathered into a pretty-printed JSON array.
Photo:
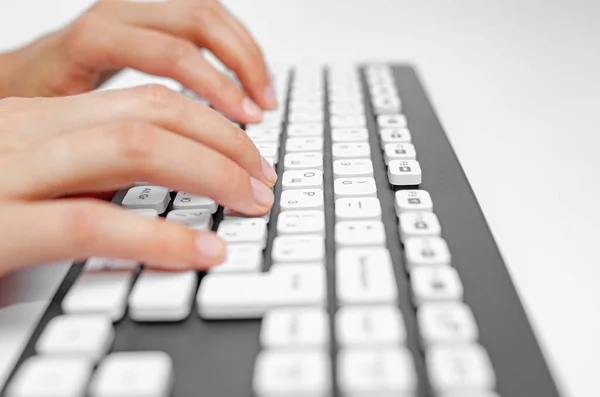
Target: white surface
[{"x": 509, "y": 79}]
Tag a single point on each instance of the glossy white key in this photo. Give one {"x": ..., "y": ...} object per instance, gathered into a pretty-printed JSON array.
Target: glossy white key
[
  {"x": 262, "y": 135},
  {"x": 459, "y": 369},
  {"x": 354, "y": 187},
  {"x": 99, "y": 292},
  {"x": 303, "y": 373},
  {"x": 413, "y": 200},
  {"x": 394, "y": 135},
  {"x": 306, "y": 106},
  {"x": 145, "y": 212},
  {"x": 346, "y": 99},
  {"x": 250, "y": 230},
  {"x": 419, "y": 224},
  {"x": 302, "y": 179},
  {"x": 51, "y": 376},
  {"x": 289, "y": 328},
  {"x": 386, "y": 104},
  {"x": 304, "y": 144},
  {"x": 399, "y": 151},
  {"x": 435, "y": 284},
  {"x": 200, "y": 219},
  {"x": 348, "y": 120},
  {"x": 148, "y": 374},
  {"x": 241, "y": 258},
  {"x": 162, "y": 296},
  {"x": 369, "y": 326},
  {"x": 366, "y": 372},
  {"x": 86, "y": 335},
  {"x": 301, "y": 222},
  {"x": 303, "y": 161},
  {"x": 346, "y": 108},
  {"x": 426, "y": 251},
  {"x": 187, "y": 201},
  {"x": 98, "y": 263},
  {"x": 268, "y": 149},
  {"x": 229, "y": 214},
  {"x": 479, "y": 393},
  {"x": 351, "y": 150},
  {"x": 359, "y": 233},
  {"x": 306, "y": 117},
  {"x": 404, "y": 172},
  {"x": 151, "y": 197},
  {"x": 303, "y": 199},
  {"x": 305, "y": 129},
  {"x": 239, "y": 296},
  {"x": 351, "y": 168},
  {"x": 446, "y": 323},
  {"x": 359, "y": 134},
  {"x": 365, "y": 276},
  {"x": 359, "y": 208},
  {"x": 298, "y": 248},
  {"x": 392, "y": 121}
]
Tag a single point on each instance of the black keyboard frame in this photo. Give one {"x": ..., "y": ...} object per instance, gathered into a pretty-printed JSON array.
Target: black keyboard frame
[{"x": 216, "y": 358}]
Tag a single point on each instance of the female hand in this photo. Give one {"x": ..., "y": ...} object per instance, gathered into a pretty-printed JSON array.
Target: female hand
[
  {"x": 160, "y": 38},
  {"x": 108, "y": 140}
]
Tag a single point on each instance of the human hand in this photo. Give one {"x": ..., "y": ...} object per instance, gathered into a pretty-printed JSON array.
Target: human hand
[
  {"x": 160, "y": 38},
  {"x": 108, "y": 140}
]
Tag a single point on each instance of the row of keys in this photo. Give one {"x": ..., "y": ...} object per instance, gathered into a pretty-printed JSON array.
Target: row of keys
[{"x": 158, "y": 198}]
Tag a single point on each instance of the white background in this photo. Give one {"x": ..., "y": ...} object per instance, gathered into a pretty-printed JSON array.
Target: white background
[{"x": 517, "y": 87}]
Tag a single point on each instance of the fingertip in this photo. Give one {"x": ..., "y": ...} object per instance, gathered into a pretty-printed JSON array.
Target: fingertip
[
  {"x": 269, "y": 97},
  {"x": 211, "y": 249},
  {"x": 251, "y": 110}
]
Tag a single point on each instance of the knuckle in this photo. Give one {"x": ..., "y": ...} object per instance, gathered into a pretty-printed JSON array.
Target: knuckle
[
  {"x": 80, "y": 32},
  {"x": 155, "y": 96},
  {"x": 136, "y": 141},
  {"x": 241, "y": 144},
  {"x": 176, "y": 51},
  {"x": 203, "y": 13}
]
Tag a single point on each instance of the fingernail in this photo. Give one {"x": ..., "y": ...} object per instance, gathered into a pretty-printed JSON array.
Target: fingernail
[
  {"x": 269, "y": 96},
  {"x": 268, "y": 171},
  {"x": 251, "y": 109},
  {"x": 210, "y": 246},
  {"x": 262, "y": 194}
]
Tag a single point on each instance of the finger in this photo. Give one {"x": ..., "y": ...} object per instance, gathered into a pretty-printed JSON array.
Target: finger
[
  {"x": 77, "y": 229},
  {"x": 208, "y": 25},
  {"x": 167, "y": 109},
  {"x": 164, "y": 55},
  {"x": 113, "y": 156}
]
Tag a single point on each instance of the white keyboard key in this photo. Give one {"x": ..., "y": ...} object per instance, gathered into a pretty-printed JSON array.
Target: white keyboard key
[
  {"x": 304, "y": 144},
  {"x": 302, "y": 179},
  {"x": 359, "y": 233},
  {"x": 303, "y": 199},
  {"x": 351, "y": 168},
  {"x": 355, "y": 99},
  {"x": 148, "y": 374},
  {"x": 298, "y": 248},
  {"x": 305, "y": 117},
  {"x": 241, "y": 258},
  {"x": 394, "y": 135},
  {"x": 147, "y": 197},
  {"x": 446, "y": 323},
  {"x": 306, "y": 106},
  {"x": 404, "y": 172},
  {"x": 299, "y": 285},
  {"x": 187, "y": 201},
  {"x": 99, "y": 292},
  {"x": 288, "y": 328},
  {"x": 384, "y": 91},
  {"x": 354, "y": 187},
  {"x": 145, "y": 212},
  {"x": 292, "y": 373},
  {"x": 435, "y": 284},
  {"x": 229, "y": 214},
  {"x": 386, "y": 104},
  {"x": 268, "y": 149},
  {"x": 51, "y": 376},
  {"x": 357, "y": 208},
  {"x": 359, "y": 134},
  {"x": 88, "y": 335},
  {"x": 264, "y": 135},
  {"x": 196, "y": 219},
  {"x": 346, "y": 108},
  {"x": 250, "y": 230},
  {"x": 301, "y": 222},
  {"x": 303, "y": 161},
  {"x": 365, "y": 276},
  {"x": 162, "y": 296},
  {"x": 478, "y": 393},
  {"x": 370, "y": 326},
  {"x": 413, "y": 200},
  {"x": 426, "y": 251},
  {"x": 98, "y": 263},
  {"x": 365, "y": 372},
  {"x": 419, "y": 224},
  {"x": 459, "y": 369},
  {"x": 348, "y": 120},
  {"x": 399, "y": 151},
  {"x": 305, "y": 129},
  {"x": 351, "y": 150},
  {"x": 392, "y": 121}
]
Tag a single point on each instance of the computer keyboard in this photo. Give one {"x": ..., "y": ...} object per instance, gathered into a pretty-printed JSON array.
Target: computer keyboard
[{"x": 375, "y": 273}]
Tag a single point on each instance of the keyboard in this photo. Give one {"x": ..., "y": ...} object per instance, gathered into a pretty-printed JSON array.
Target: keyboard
[{"x": 375, "y": 273}]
